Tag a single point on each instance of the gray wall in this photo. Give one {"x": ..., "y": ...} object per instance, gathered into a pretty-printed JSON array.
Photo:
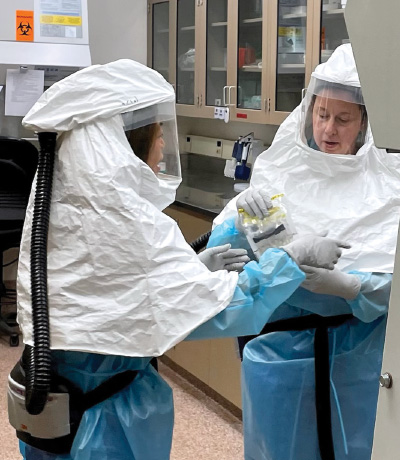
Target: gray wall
[{"x": 117, "y": 29}]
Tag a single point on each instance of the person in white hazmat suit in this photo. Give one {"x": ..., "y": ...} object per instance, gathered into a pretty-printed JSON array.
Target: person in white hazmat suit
[
  {"x": 323, "y": 159},
  {"x": 123, "y": 284}
]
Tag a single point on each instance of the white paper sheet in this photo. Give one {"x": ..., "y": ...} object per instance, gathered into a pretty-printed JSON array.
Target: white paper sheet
[{"x": 23, "y": 89}]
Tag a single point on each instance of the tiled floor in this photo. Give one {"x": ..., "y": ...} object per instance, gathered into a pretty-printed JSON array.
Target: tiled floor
[{"x": 203, "y": 428}]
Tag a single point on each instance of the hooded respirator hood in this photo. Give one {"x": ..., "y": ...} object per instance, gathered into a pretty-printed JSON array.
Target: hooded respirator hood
[
  {"x": 333, "y": 113},
  {"x": 109, "y": 95},
  {"x": 355, "y": 197}
]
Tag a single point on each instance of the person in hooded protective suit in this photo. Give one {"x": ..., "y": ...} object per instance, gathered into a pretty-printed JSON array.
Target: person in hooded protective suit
[
  {"x": 333, "y": 178},
  {"x": 123, "y": 284}
]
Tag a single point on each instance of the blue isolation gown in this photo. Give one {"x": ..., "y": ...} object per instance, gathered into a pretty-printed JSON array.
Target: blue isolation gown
[
  {"x": 137, "y": 423},
  {"x": 278, "y": 379}
]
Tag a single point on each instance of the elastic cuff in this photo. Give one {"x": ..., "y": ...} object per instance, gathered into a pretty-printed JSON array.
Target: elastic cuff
[{"x": 353, "y": 289}]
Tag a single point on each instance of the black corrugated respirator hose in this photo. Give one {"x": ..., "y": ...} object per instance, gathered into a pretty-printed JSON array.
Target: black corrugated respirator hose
[
  {"x": 200, "y": 242},
  {"x": 39, "y": 359}
]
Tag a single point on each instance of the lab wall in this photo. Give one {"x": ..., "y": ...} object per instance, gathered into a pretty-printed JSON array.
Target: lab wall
[{"x": 117, "y": 29}]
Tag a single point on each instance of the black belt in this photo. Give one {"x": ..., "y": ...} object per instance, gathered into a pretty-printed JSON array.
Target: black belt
[
  {"x": 79, "y": 402},
  {"x": 322, "y": 369}
]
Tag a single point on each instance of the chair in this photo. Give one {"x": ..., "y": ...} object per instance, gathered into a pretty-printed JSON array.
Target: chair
[{"x": 18, "y": 163}]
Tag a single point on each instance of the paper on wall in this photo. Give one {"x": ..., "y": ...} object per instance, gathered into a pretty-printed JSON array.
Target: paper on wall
[{"x": 23, "y": 89}]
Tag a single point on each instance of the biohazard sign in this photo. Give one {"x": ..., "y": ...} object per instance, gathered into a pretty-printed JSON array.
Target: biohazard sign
[{"x": 24, "y": 26}]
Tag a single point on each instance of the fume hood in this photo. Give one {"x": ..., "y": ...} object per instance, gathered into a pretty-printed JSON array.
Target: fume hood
[{"x": 49, "y": 35}]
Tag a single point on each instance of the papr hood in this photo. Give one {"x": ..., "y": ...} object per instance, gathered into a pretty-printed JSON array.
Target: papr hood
[{"x": 96, "y": 93}]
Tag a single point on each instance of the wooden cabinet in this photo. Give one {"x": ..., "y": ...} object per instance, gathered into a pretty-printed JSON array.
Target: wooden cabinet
[
  {"x": 192, "y": 223},
  {"x": 253, "y": 56},
  {"x": 214, "y": 362}
]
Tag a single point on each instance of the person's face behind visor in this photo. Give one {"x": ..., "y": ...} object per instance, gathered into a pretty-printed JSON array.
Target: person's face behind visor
[
  {"x": 152, "y": 134},
  {"x": 336, "y": 123},
  {"x": 155, "y": 155},
  {"x": 148, "y": 144}
]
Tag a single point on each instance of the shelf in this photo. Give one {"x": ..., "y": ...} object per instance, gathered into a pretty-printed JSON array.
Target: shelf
[
  {"x": 187, "y": 28},
  {"x": 185, "y": 70},
  {"x": 291, "y": 68},
  {"x": 219, "y": 24},
  {"x": 289, "y": 90},
  {"x": 294, "y": 16},
  {"x": 251, "y": 68},
  {"x": 334, "y": 13},
  {"x": 252, "y": 21},
  {"x": 162, "y": 31},
  {"x": 218, "y": 69}
]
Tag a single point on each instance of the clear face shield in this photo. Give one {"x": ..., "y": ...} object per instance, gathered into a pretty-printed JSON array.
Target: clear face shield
[
  {"x": 152, "y": 134},
  {"x": 334, "y": 118}
]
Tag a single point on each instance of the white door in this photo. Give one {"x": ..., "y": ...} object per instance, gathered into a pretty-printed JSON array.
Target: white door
[{"x": 387, "y": 429}]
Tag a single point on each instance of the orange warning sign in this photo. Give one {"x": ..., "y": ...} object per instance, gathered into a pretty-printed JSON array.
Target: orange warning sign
[{"x": 24, "y": 26}]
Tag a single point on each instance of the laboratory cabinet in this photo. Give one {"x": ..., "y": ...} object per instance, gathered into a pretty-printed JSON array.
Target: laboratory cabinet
[
  {"x": 215, "y": 362},
  {"x": 330, "y": 27},
  {"x": 253, "y": 56}
]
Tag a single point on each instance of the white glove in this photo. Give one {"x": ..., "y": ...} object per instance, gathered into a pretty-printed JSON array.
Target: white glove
[
  {"x": 315, "y": 250},
  {"x": 331, "y": 282},
  {"x": 255, "y": 202},
  {"x": 224, "y": 258}
]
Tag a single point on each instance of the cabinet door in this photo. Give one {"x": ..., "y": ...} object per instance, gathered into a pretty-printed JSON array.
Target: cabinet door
[
  {"x": 333, "y": 31},
  {"x": 186, "y": 56},
  {"x": 207, "y": 78},
  {"x": 291, "y": 55},
  {"x": 213, "y": 44},
  {"x": 158, "y": 32},
  {"x": 247, "y": 89}
]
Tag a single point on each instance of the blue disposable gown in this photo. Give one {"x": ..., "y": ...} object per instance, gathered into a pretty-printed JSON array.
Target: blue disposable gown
[
  {"x": 278, "y": 386},
  {"x": 137, "y": 423}
]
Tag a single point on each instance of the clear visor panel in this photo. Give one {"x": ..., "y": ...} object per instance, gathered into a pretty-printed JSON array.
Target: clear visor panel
[
  {"x": 334, "y": 118},
  {"x": 336, "y": 91},
  {"x": 170, "y": 166},
  {"x": 159, "y": 148}
]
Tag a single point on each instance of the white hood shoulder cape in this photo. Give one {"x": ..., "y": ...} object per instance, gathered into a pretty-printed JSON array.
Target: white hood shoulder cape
[
  {"x": 121, "y": 278},
  {"x": 355, "y": 197}
]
